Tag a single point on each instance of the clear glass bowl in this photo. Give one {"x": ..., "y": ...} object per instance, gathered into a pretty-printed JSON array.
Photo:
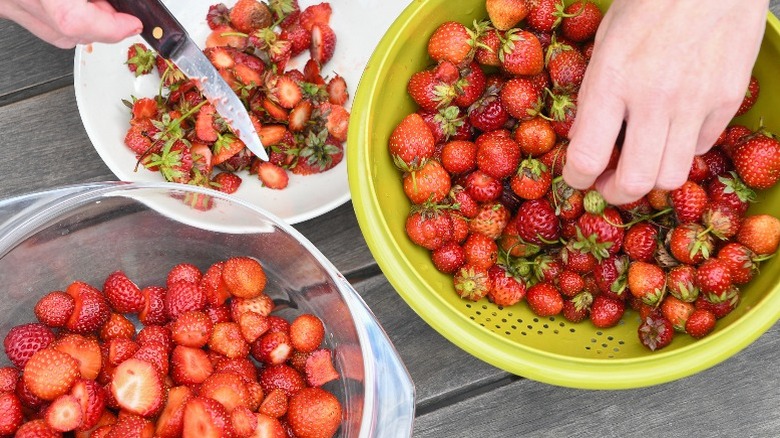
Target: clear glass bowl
[{"x": 84, "y": 232}]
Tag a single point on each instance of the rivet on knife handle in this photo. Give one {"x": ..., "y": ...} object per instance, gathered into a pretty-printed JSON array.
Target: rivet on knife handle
[{"x": 161, "y": 30}]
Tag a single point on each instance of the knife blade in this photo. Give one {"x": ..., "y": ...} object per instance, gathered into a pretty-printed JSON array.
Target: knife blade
[{"x": 169, "y": 38}]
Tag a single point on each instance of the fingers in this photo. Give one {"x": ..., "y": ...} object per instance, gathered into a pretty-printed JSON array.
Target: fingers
[
  {"x": 88, "y": 22},
  {"x": 712, "y": 127},
  {"x": 599, "y": 119},
  {"x": 678, "y": 152},
  {"x": 647, "y": 132}
]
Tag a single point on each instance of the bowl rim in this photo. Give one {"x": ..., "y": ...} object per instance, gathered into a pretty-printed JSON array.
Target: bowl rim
[{"x": 556, "y": 369}]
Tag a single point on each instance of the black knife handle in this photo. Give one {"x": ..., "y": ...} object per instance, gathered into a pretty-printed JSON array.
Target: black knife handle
[{"x": 161, "y": 29}]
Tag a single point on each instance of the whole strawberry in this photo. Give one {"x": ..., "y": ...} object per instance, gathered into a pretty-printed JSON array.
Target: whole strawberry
[
  {"x": 430, "y": 183},
  {"x": 741, "y": 261},
  {"x": 429, "y": 227},
  {"x": 506, "y": 289},
  {"x": 728, "y": 189},
  {"x": 639, "y": 242},
  {"x": 453, "y": 42},
  {"x": 689, "y": 202},
  {"x": 429, "y": 91},
  {"x": 497, "y": 155},
  {"x": 647, "y": 281},
  {"x": 480, "y": 250},
  {"x": 606, "y": 312},
  {"x": 544, "y": 299},
  {"x": 521, "y": 53},
  {"x": 656, "y": 332},
  {"x": 536, "y": 222},
  {"x": 532, "y": 179},
  {"x": 760, "y": 233},
  {"x": 505, "y": 14},
  {"x": 542, "y": 15},
  {"x": 690, "y": 244},
  {"x": 448, "y": 258},
  {"x": 751, "y": 96},
  {"x": 411, "y": 142},
  {"x": 580, "y": 21},
  {"x": 521, "y": 98},
  {"x": 700, "y": 323},
  {"x": 490, "y": 220},
  {"x": 471, "y": 282},
  {"x": 681, "y": 283},
  {"x": 566, "y": 66},
  {"x": 757, "y": 160},
  {"x": 610, "y": 276},
  {"x": 24, "y": 340}
]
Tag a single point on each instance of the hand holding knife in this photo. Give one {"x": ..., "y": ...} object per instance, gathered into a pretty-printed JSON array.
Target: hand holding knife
[{"x": 169, "y": 38}]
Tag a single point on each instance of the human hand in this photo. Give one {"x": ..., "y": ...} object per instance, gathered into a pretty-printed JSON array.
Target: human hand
[
  {"x": 65, "y": 23},
  {"x": 676, "y": 72}
]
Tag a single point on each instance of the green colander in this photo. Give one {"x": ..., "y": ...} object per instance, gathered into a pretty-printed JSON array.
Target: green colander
[{"x": 550, "y": 349}]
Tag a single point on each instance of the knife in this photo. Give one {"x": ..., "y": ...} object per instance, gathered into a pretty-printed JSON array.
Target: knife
[{"x": 169, "y": 38}]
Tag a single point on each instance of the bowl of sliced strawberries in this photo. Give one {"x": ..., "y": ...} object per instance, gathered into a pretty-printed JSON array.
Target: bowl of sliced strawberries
[
  {"x": 154, "y": 309},
  {"x": 459, "y": 194}
]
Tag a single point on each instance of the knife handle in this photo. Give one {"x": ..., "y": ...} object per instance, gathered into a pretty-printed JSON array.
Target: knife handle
[{"x": 161, "y": 29}]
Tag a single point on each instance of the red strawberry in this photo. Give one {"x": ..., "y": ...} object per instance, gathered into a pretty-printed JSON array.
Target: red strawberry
[
  {"x": 411, "y": 142},
  {"x": 122, "y": 294},
  {"x": 577, "y": 308},
  {"x": 338, "y": 94},
  {"x": 453, "y": 42},
  {"x": 570, "y": 283},
  {"x": 319, "y": 368},
  {"x": 544, "y": 299},
  {"x": 315, "y": 14},
  {"x": 140, "y": 60},
  {"x": 314, "y": 412},
  {"x": 566, "y": 66},
  {"x": 505, "y": 14},
  {"x": 471, "y": 282},
  {"x": 521, "y": 53},
  {"x": 483, "y": 187},
  {"x": 262, "y": 305},
  {"x": 655, "y": 332},
  {"x": 430, "y": 183},
  {"x": 537, "y": 223},
  {"x": 751, "y": 96},
  {"x": 480, "y": 251},
  {"x": 541, "y": 15},
  {"x": 91, "y": 308},
  {"x": 283, "y": 377},
  {"x": 689, "y": 244},
  {"x": 506, "y": 288},
  {"x": 535, "y": 136},
  {"x": 488, "y": 45},
  {"x": 119, "y": 350},
  {"x": 248, "y": 16},
  {"x": 205, "y": 128},
  {"x": 728, "y": 189},
  {"x": 306, "y": 332},
  {"x": 719, "y": 309},
  {"x": 532, "y": 179},
  {"x": 191, "y": 329},
  {"x": 601, "y": 234},
  {"x": 639, "y": 242},
  {"x": 227, "y": 339},
  {"x": 23, "y": 341},
  {"x": 760, "y": 233},
  {"x": 562, "y": 107},
  {"x": 488, "y": 113},
  {"x": 13, "y": 416},
  {"x": 429, "y": 91},
  {"x": 741, "y": 261},
  {"x": 171, "y": 420},
  {"x": 647, "y": 281},
  {"x": 274, "y": 404},
  {"x": 497, "y": 155},
  {"x": 49, "y": 373},
  {"x": 721, "y": 221},
  {"x": 606, "y": 312},
  {"x": 717, "y": 161},
  {"x": 611, "y": 276},
  {"x": 244, "y": 277},
  {"x": 689, "y": 202},
  {"x": 37, "y": 429},
  {"x": 459, "y": 156},
  {"x": 227, "y": 388},
  {"x": 137, "y": 388},
  {"x": 272, "y": 348},
  {"x": 323, "y": 43},
  {"x": 676, "y": 311},
  {"x": 700, "y": 323},
  {"x": 205, "y": 417},
  {"x": 521, "y": 98},
  {"x": 272, "y": 176},
  {"x": 429, "y": 228},
  {"x": 471, "y": 85},
  {"x": 226, "y": 182},
  {"x": 182, "y": 296},
  {"x": 91, "y": 397},
  {"x": 757, "y": 160},
  {"x": 446, "y": 124},
  {"x": 153, "y": 311},
  {"x": 681, "y": 283},
  {"x": 189, "y": 365},
  {"x": 64, "y": 413},
  {"x": 85, "y": 350},
  {"x": 490, "y": 220},
  {"x": 299, "y": 38},
  {"x": 448, "y": 257},
  {"x": 581, "y": 20}
]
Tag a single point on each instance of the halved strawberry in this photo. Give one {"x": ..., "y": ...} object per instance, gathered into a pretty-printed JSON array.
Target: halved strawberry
[
  {"x": 272, "y": 134},
  {"x": 319, "y": 368},
  {"x": 312, "y": 72},
  {"x": 9, "y": 375},
  {"x": 243, "y": 420},
  {"x": 85, "y": 350},
  {"x": 155, "y": 353},
  {"x": 225, "y": 147},
  {"x": 122, "y": 294},
  {"x": 117, "y": 326},
  {"x": 227, "y": 388},
  {"x": 211, "y": 285},
  {"x": 281, "y": 376},
  {"x": 192, "y": 329},
  {"x": 299, "y": 38},
  {"x": 226, "y": 339},
  {"x": 337, "y": 120},
  {"x": 204, "y": 124},
  {"x": 36, "y": 428},
  {"x": 272, "y": 348},
  {"x": 221, "y": 57},
  {"x": 226, "y": 182},
  {"x": 244, "y": 277},
  {"x": 190, "y": 366},
  {"x": 205, "y": 417},
  {"x": 323, "y": 43},
  {"x": 153, "y": 311},
  {"x": 119, "y": 350},
  {"x": 92, "y": 400},
  {"x": 24, "y": 340},
  {"x": 268, "y": 426},
  {"x": 130, "y": 425},
  {"x": 306, "y": 332},
  {"x": 91, "y": 308},
  {"x": 338, "y": 94},
  {"x": 274, "y": 110},
  {"x": 274, "y": 404},
  {"x": 247, "y": 75},
  {"x": 315, "y": 14},
  {"x": 171, "y": 420},
  {"x": 64, "y": 413},
  {"x": 54, "y": 308},
  {"x": 137, "y": 387},
  {"x": 300, "y": 116},
  {"x": 285, "y": 91},
  {"x": 49, "y": 373}
]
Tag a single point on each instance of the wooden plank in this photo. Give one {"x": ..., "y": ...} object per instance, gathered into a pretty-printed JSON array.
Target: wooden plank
[
  {"x": 31, "y": 63},
  {"x": 738, "y": 397}
]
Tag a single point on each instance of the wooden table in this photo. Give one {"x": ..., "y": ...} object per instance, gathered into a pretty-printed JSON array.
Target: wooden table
[{"x": 44, "y": 145}]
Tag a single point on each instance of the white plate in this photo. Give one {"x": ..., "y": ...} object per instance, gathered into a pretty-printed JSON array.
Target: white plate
[{"x": 102, "y": 80}]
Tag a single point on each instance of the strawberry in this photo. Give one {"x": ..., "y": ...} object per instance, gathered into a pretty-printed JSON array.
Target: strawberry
[
  {"x": 690, "y": 244},
  {"x": 565, "y": 65},
  {"x": 506, "y": 289},
  {"x": 655, "y": 332},
  {"x": 483, "y": 187},
  {"x": 429, "y": 227},
  {"x": 676, "y": 311},
  {"x": 446, "y": 124},
  {"x": 23, "y": 341},
  {"x": 189, "y": 365},
  {"x": 488, "y": 45},
  {"x": 91, "y": 308},
  {"x": 298, "y": 37},
  {"x": 490, "y": 220},
  {"x": 252, "y": 325},
  {"x": 757, "y": 160},
  {"x": 488, "y": 113},
  {"x": 244, "y": 277},
  {"x": 248, "y": 16},
  {"x": 647, "y": 281},
  {"x": 429, "y": 91},
  {"x": 272, "y": 348},
  {"x": 505, "y": 14},
  {"x": 155, "y": 333},
  {"x": 721, "y": 220},
  {"x": 226, "y": 147},
  {"x": 36, "y": 429},
  {"x": 274, "y": 404},
  {"x": 411, "y": 142},
  {"x": 719, "y": 309},
  {"x": 218, "y": 15},
  {"x": 64, "y": 413},
  {"x": 521, "y": 53},
  {"x": 205, "y": 128},
  {"x": 497, "y": 155},
  {"x": 261, "y": 304},
  {"x": 760, "y": 233},
  {"x": 639, "y": 242},
  {"x": 741, "y": 261},
  {"x": 171, "y": 420},
  {"x": 272, "y": 176},
  {"x": 471, "y": 282},
  {"x": 601, "y": 234},
  {"x": 570, "y": 283},
  {"x": 8, "y": 378},
  {"x": 182, "y": 296},
  {"x": 191, "y": 329},
  {"x": 541, "y": 15},
  {"x": 227, "y": 388},
  {"x": 85, "y": 350},
  {"x": 315, "y": 14},
  {"x": 227, "y": 339},
  {"x": 562, "y": 107},
  {"x": 480, "y": 250},
  {"x": 338, "y": 94},
  {"x": 49, "y": 373},
  {"x": 718, "y": 162},
  {"x": 535, "y": 136},
  {"x": 314, "y": 412},
  {"x": 580, "y": 21},
  {"x": 453, "y": 42},
  {"x": 153, "y": 311},
  {"x": 140, "y": 60},
  {"x": 323, "y": 43},
  {"x": 137, "y": 388},
  {"x": 544, "y": 299},
  {"x": 119, "y": 350},
  {"x": 470, "y": 86},
  {"x": 122, "y": 294},
  {"x": 681, "y": 283},
  {"x": 205, "y": 417},
  {"x": 689, "y": 202},
  {"x": 430, "y": 183},
  {"x": 537, "y": 223},
  {"x": 448, "y": 258},
  {"x": 606, "y": 312},
  {"x": 319, "y": 369},
  {"x": 459, "y": 156},
  {"x": 12, "y": 417},
  {"x": 532, "y": 179},
  {"x": 144, "y": 108},
  {"x": 610, "y": 276},
  {"x": 751, "y": 96},
  {"x": 283, "y": 377},
  {"x": 555, "y": 158},
  {"x": 728, "y": 189},
  {"x": 700, "y": 323},
  {"x": 521, "y": 98},
  {"x": 306, "y": 332},
  {"x": 226, "y": 182},
  {"x": 91, "y": 397}
]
